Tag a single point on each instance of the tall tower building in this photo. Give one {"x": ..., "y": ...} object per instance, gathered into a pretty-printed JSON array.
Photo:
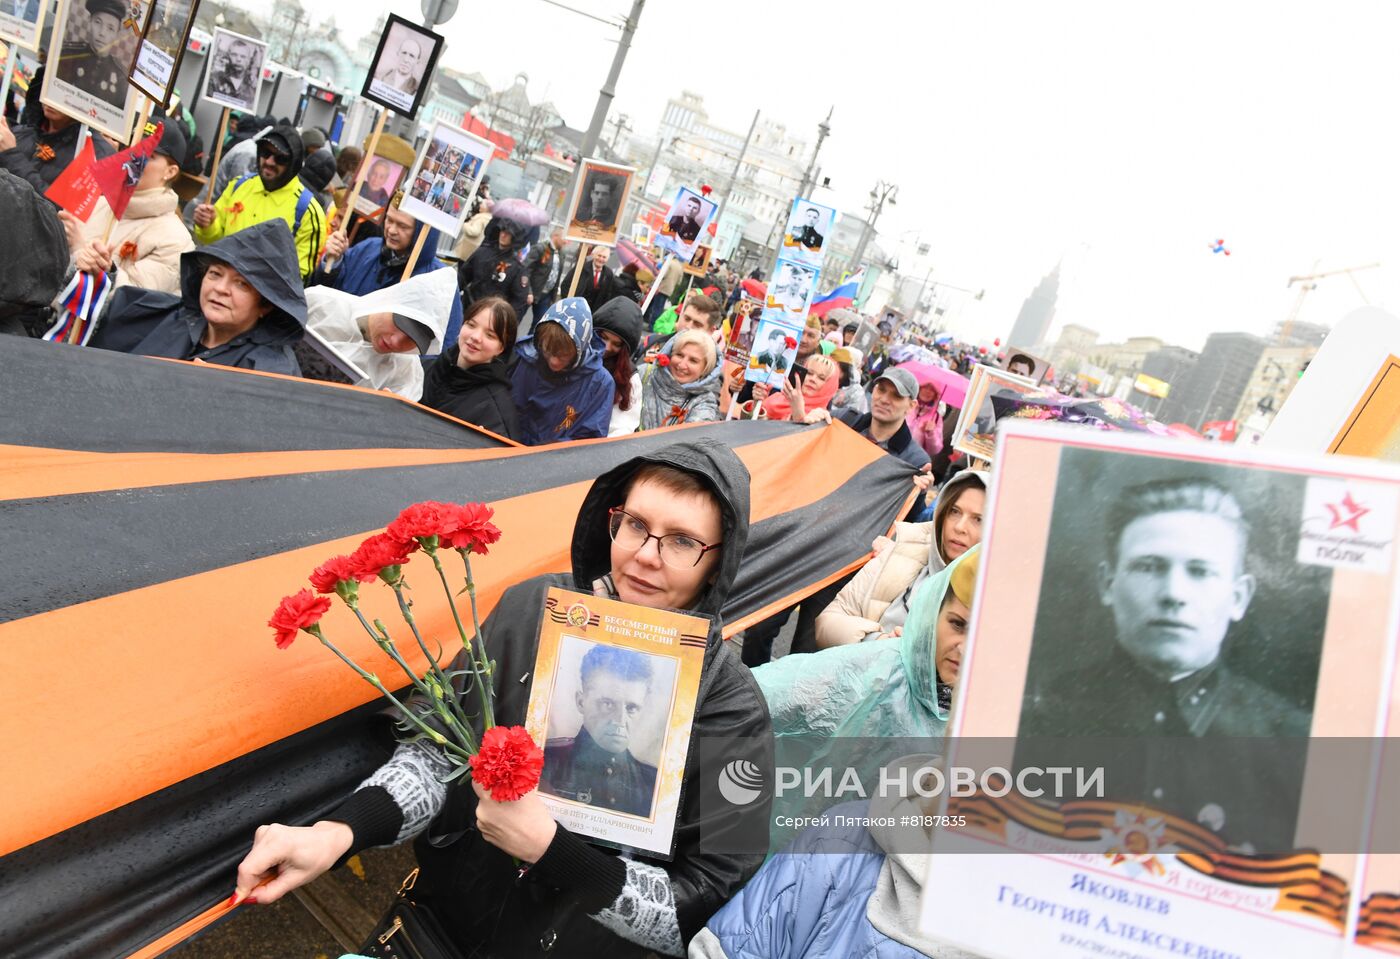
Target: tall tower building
[{"x": 1033, "y": 322}]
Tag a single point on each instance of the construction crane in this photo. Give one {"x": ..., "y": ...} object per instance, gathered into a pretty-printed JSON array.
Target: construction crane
[{"x": 1309, "y": 282}]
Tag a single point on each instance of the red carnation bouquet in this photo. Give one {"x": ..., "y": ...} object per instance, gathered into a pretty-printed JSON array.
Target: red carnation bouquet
[{"x": 507, "y": 762}]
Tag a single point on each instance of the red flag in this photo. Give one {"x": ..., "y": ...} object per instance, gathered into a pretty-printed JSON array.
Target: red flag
[
  {"x": 118, "y": 175},
  {"x": 75, "y": 189}
]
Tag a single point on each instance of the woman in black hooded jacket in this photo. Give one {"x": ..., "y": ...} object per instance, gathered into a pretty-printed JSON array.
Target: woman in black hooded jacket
[
  {"x": 495, "y": 268},
  {"x": 574, "y": 898},
  {"x": 471, "y": 379}
]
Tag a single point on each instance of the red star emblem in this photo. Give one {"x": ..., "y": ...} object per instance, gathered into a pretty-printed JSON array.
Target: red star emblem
[{"x": 1347, "y": 513}]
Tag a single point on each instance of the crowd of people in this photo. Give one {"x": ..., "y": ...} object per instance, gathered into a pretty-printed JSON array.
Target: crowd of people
[{"x": 264, "y": 275}]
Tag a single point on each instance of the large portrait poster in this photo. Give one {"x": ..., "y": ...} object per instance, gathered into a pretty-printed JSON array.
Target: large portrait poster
[
  {"x": 162, "y": 48},
  {"x": 613, "y": 699},
  {"x": 402, "y": 67},
  {"x": 88, "y": 80},
  {"x": 445, "y": 178},
  {"x": 22, "y": 22},
  {"x": 596, "y": 213},
  {"x": 686, "y": 223},
  {"x": 1169, "y": 700},
  {"x": 1021, "y": 362},
  {"x": 234, "y": 77}
]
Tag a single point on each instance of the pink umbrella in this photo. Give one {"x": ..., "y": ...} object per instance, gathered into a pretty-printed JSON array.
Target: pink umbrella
[
  {"x": 521, "y": 211},
  {"x": 952, "y": 387}
]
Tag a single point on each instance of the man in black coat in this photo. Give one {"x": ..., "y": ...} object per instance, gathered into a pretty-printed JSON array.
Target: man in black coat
[
  {"x": 544, "y": 268},
  {"x": 495, "y": 268},
  {"x": 598, "y": 283}
]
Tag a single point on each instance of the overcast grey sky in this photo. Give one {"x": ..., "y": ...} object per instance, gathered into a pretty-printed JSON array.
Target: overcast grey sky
[{"x": 1123, "y": 137}]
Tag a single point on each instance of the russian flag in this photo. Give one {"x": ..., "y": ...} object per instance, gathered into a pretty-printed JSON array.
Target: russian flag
[{"x": 843, "y": 297}]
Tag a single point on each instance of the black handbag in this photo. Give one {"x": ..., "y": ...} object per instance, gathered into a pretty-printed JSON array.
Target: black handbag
[{"x": 409, "y": 930}]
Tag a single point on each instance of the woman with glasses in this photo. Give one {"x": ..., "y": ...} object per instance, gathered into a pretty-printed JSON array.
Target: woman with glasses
[
  {"x": 274, "y": 192},
  {"x": 664, "y": 530}
]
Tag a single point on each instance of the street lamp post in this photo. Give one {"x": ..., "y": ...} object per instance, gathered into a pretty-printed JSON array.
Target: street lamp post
[
  {"x": 609, "y": 89},
  {"x": 880, "y": 194}
]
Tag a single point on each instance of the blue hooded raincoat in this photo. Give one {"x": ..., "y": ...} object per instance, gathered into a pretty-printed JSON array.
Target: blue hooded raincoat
[{"x": 573, "y": 405}]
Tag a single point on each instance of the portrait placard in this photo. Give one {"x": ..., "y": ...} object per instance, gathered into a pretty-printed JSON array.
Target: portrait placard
[
  {"x": 686, "y": 224},
  {"x": 162, "y": 48},
  {"x": 445, "y": 178},
  {"x": 808, "y": 226},
  {"x": 1025, "y": 363},
  {"x": 772, "y": 351},
  {"x": 700, "y": 261},
  {"x": 600, "y": 194},
  {"x": 87, "y": 80},
  {"x": 1201, "y": 638},
  {"x": 383, "y": 180},
  {"x": 975, "y": 432},
  {"x": 402, "y": 67},
  {"x": 22, "y": 22},
  {"x": 613, "y": 700},
  {"x": 235, "y": 71},
  {"x": 790, "y": 293}
]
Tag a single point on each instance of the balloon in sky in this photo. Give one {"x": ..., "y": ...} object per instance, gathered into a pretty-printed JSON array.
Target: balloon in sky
[{"x": 1219, "y": 247}]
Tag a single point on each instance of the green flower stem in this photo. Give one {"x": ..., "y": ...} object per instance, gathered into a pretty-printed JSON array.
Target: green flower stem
[
  {"x": 487, "y": 713},
  {"x": 487, "y": 705},
  {"x": 447, "y": 711},
  {"x": 373, "y": 680},
  {"x": 453, "y": 706}
]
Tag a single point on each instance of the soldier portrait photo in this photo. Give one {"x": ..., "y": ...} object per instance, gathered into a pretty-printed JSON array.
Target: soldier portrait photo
[
  {"x": 685, "y": 220},
  {"x": 1174, "y": 610},
  {"x": 597, "y": 205},
  {"x": 607, "y": 724},
  {"x": 96, "y": 50},
  {"x": 235, "y": 71},
  {"x": 792, "y": 286},
  {"x": 808, "y": 226}
]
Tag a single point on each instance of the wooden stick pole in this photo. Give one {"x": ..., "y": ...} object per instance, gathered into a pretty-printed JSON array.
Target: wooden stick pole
[
  {"x": 583, "y": 253},
  {"x": 364, "y": 169},
  {"x": 218, "y": 153},
  {"x": 141, "y": 119},
  {"x": 660, "y": 272},
  {"x": 423, "y": 232}
]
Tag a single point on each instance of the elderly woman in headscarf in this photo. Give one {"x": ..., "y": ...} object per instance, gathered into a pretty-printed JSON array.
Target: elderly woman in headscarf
[
  {"x": 818, "y": 387},
  {"x": 876, "y": 602},
  {"x": 682, "y": 386}
]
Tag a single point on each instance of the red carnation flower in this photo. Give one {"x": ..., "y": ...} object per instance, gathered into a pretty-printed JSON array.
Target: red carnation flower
[
  {"x": 663, "y": 360},
  {"x": 789, "y": 342},
  {"x": 509, "y": 764},
  {"x": 336, "y": 570},
  {"x": 301, "y": 610},
  {"x": 470, "y": 528},
  {"x": 421, "y": 521},
  {"x": 377, "y": 554}
]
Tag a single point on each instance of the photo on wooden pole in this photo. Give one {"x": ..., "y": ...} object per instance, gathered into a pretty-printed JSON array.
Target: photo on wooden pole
[
  {"x": 162, "y": 48},
  {"x": 445, "y": 178},
  {"x": 402, "y": 67},
  {"x": 601, "y": 193},
  {"x": 87, "y": 79},
  {"x": 235, "y": 71}
]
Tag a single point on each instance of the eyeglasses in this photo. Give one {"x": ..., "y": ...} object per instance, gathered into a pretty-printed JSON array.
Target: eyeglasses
[
  {"x": 677, "y": 549},
  {"x": 266, "y": 152}
]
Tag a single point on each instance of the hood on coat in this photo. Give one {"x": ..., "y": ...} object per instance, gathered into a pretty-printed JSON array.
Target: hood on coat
[
  {"x": 917, "y": 643},
  {"x": 267, "y": 258},
  {"x": 492, "y": 235},
  {"x": 285, "y": 136},
  {"x": 36, "y": 257},
  {"x": 424, "y": 299},
  {"x": 947, "y": 496},
  {"x": 573, "y": 314},
  {"x": 319, "y": 170},
  {"x": 622, "y": 317},
  {"x": 713, "y": 463}
]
